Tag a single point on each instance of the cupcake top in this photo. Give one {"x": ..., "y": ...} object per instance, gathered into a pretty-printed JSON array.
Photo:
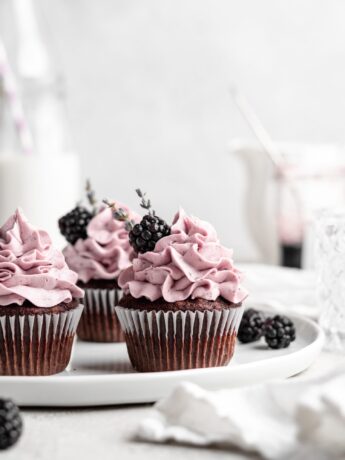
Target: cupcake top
[
  {"x": 31, "y": 269},
  {"x": 189, "y": 263},
  {"x": 105, "y": 251}
]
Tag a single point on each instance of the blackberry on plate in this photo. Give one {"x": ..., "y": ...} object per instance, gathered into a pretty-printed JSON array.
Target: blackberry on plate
[
  {"x": 279, "y": 332},
  {"x": 11, "y": 424},
  {"x": 252, "y": 326},
  {"x": 73, "y": 225}
]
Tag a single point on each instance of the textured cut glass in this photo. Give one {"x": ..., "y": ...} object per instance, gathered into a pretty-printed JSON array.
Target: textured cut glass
[{"x": 330, "y": 259}]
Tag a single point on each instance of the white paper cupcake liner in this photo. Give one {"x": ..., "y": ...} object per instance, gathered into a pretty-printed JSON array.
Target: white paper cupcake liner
[
  {"x": 99, "y": 321},
  {"x": 38, "y": 344},
  {"x": 159, "y": 341}
]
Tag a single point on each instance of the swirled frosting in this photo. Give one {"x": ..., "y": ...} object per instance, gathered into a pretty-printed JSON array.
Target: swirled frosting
[
  {"x": 31, "y": 268},
  {"x": 189, "y": 263},
  {"x": 105, "y": 252}
]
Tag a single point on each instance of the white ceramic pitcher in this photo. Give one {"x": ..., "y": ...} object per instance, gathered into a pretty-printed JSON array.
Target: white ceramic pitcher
[{"x": 273, "y": 216}]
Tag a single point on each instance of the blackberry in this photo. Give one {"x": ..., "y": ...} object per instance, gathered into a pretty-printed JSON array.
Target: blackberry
[
  {"x": 252, "y": 326},
  {"x": 279, "y": 332},
  {"x": 73, "y": 225},
  {"x": 11, "y": 424},
  {"x": 143, "y": 236}
]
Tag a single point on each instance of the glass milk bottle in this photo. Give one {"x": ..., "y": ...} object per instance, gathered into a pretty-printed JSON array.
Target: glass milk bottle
[{"x": 43, "y": 178}]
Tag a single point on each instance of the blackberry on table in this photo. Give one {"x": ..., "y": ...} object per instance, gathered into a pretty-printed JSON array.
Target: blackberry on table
[
  {"x": 252, "y": 326},
  {"x": 279, "y": 332},
  {"x": 73, "y": 225},
  {"x": 11, "y": 424},
  {"x": 143, "y": 236}
]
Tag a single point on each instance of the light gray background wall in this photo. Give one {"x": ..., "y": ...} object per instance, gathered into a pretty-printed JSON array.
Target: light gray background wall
[{"x": 148, "y": 97}]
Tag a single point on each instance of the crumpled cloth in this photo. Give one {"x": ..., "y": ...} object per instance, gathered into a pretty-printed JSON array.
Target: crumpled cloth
[{"x": 278, "y": 420}]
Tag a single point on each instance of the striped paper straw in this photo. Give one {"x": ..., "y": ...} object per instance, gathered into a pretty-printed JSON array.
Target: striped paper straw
[{"x": 11, "y": 93}]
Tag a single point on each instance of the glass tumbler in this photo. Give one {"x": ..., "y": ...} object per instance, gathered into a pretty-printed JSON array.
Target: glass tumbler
[{"x": 330, "y": 263}]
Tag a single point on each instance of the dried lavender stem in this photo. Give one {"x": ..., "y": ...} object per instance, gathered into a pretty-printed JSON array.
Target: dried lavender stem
[
  {"x": 91, "y": 196},
  {"x": 145, "y": 203},
  {"x": 120, "y": 214}
]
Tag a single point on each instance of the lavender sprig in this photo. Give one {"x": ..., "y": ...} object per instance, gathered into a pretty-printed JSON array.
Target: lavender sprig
[
  {"x": 145, "y": 203},
  {"x": 91, "y": 196},
  {"x": 120, "y": 214}
]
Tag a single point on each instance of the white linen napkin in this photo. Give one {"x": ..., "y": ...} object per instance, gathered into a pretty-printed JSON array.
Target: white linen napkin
[{"x": 294, "y": 419}]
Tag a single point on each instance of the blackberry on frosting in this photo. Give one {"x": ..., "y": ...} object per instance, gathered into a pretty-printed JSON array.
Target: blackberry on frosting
[
  {"x": 144, "y": 235},
  {"x": 73, "y": 225}
]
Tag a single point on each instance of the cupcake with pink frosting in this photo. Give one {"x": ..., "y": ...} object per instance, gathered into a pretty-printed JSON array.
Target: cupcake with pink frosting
[
  {"x": 40, "y": 303},
  {"x": 182, "y": 302},
  {"x": 99, "y": 249}
]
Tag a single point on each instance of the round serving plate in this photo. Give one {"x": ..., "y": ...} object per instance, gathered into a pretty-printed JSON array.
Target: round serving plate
[{"x": 101, "y": 374}]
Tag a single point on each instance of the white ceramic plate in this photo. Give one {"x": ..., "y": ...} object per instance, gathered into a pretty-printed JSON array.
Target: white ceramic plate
[{"x": 101, "y": 374}]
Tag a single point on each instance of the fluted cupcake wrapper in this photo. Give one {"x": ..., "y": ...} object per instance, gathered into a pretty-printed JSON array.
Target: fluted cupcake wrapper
[
  {"x": 170, "y": 340},
  {"x": 99, "y": 321},
  {"x": 39, "y": 344}
]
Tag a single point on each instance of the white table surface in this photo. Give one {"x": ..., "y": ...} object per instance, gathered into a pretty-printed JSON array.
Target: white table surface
[{"x": 108, "y": 433}]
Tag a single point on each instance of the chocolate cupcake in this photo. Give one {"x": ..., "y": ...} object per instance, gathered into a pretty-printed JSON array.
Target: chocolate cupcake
[
  {"x": 98, "y": 255},
  {"x": 183, "y": 300},
  {"x": 39, "y": 302}
]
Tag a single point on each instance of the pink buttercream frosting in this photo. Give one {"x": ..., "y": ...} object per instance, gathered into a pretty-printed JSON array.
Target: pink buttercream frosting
[
  {"x": 189, "y": 263},
  {"x": 31, "y": 268},
  {"x": 105, "y": 252}
]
